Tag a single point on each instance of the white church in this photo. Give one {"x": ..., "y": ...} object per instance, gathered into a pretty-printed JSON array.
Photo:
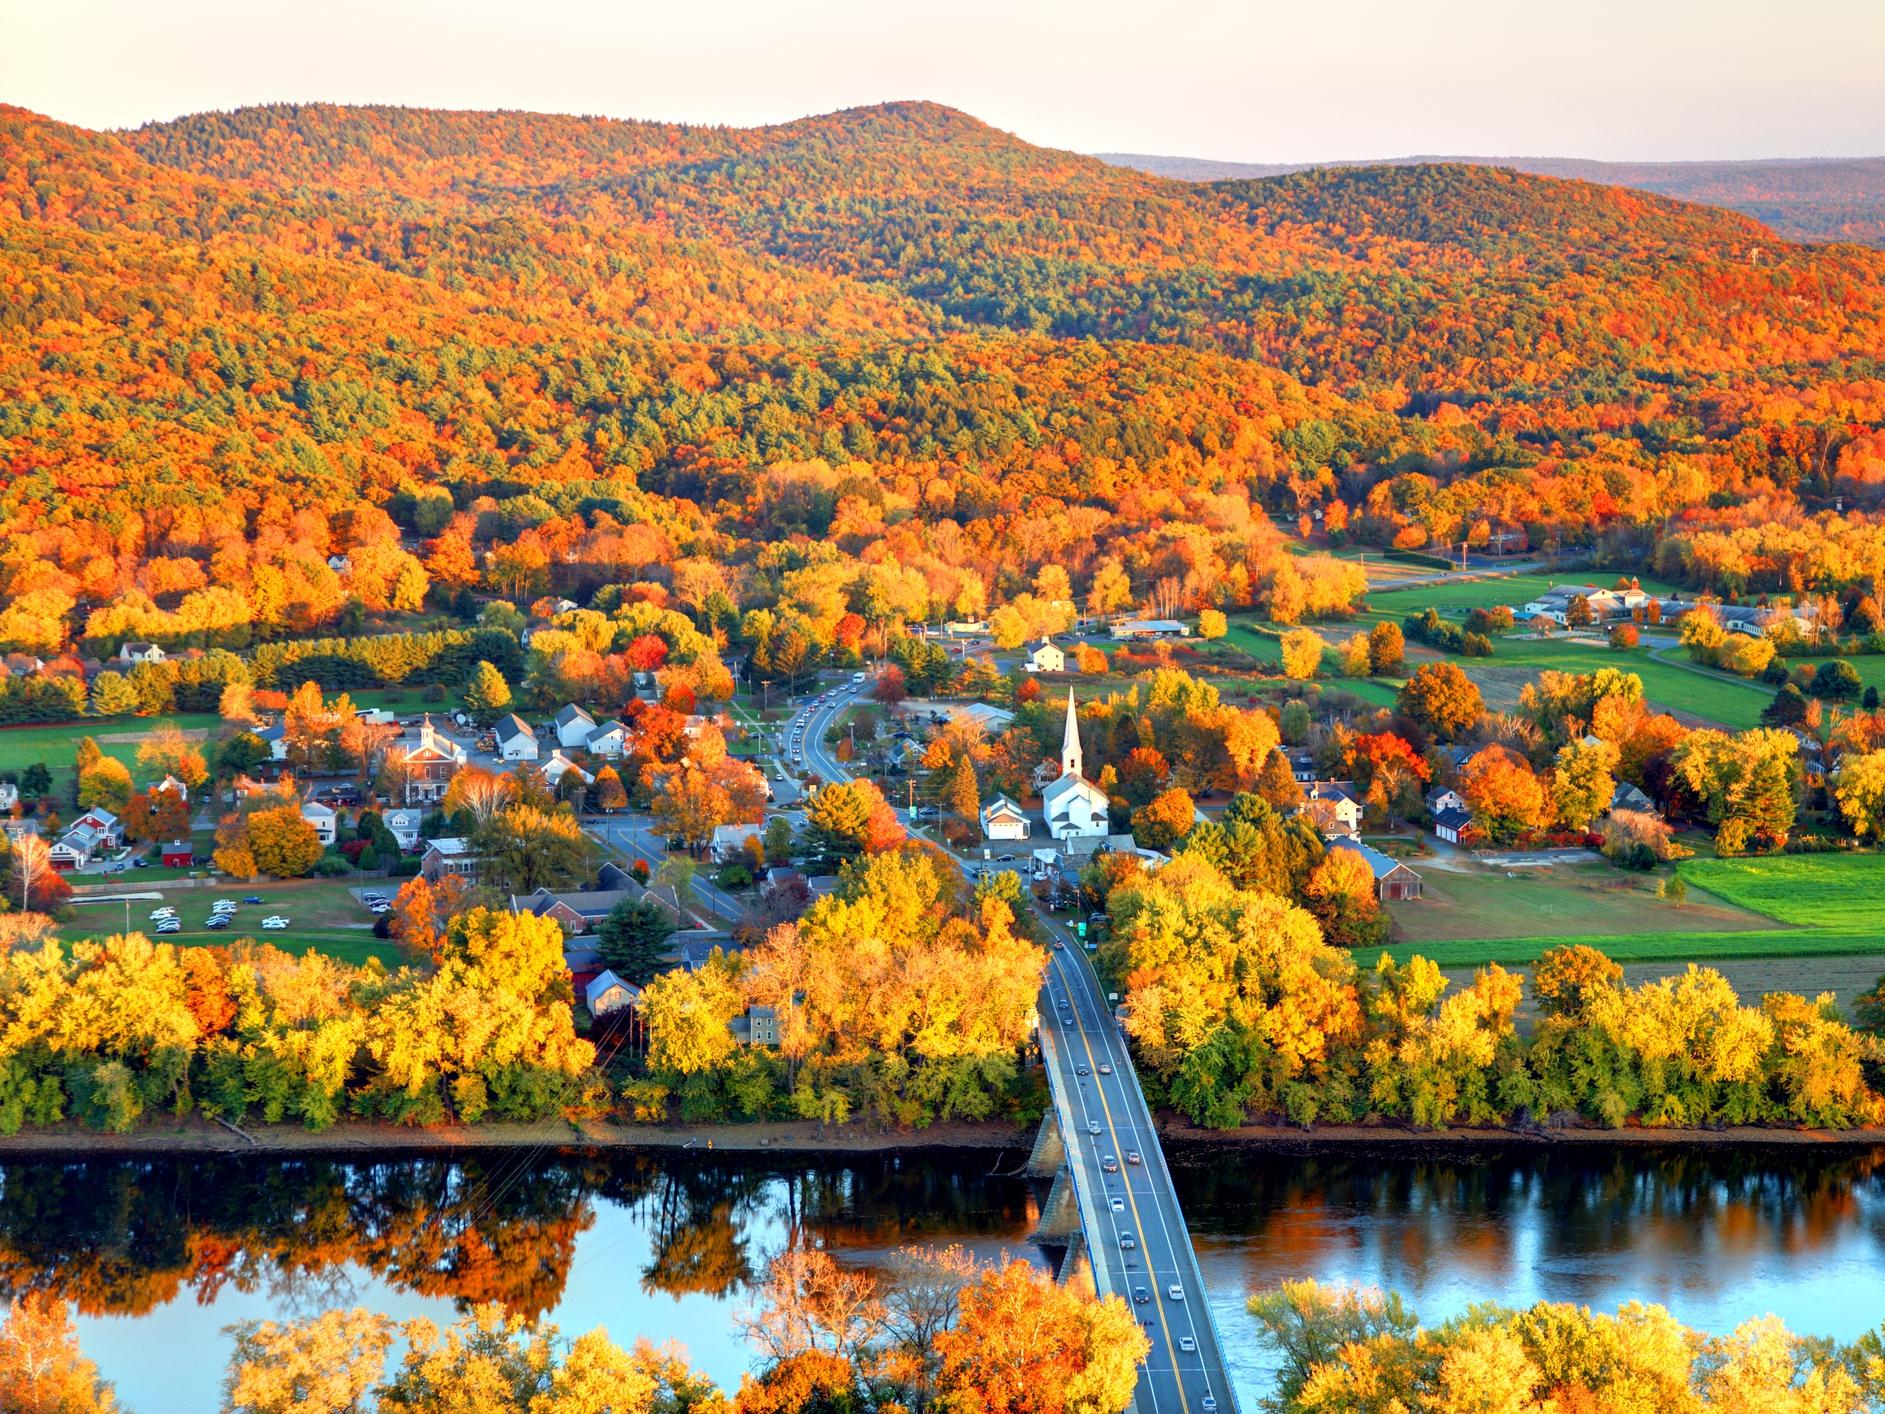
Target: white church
[{"x": 1075, "y": 808}]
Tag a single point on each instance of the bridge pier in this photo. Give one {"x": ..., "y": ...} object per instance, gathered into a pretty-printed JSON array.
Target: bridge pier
[
  {"x": 1049, "y": 1155},
  {"x": 1076, "y": 1267},
  {"x": 1060, "y": 1214}
]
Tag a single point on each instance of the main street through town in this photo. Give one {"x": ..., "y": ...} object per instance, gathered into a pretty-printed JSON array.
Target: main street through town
[{"x": 1135, "y": 1231}]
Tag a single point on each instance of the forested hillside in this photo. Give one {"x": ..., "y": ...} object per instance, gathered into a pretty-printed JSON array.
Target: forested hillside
[
  {"x": 1802, "y": 198},
  {"x": 887, "y": 362}
]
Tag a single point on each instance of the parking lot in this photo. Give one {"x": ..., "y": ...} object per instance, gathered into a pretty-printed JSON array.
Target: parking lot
[{"x": 324, "y": 914}]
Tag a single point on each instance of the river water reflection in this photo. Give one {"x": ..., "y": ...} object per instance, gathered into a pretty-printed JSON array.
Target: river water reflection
[{"x": 161, "y": 1254}]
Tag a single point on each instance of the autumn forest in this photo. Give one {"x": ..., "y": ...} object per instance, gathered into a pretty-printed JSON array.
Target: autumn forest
[{"x": 506, "y": 352}]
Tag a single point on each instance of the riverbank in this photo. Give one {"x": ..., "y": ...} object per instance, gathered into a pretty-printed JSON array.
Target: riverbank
[
  {"x": 201, "y": 1136},
  {"x": 1348, "y": 1138},
  {"x": 196, "y": 1135}
]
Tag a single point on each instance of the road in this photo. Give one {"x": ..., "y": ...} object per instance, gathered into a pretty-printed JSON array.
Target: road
[
  {"x": 637, "y": 837},
  {"x": 1095, "y": 1088}
]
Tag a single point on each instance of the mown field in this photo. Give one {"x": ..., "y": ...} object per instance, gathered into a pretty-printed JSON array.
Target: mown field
[
  {"x": 57, "y": 743},
  {"x": 1562, "y": 900},
  {"x": 1814, "y": 906}
]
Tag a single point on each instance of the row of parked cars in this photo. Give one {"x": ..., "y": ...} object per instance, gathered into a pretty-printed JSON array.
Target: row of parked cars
[{"x": 222, "y": 914}]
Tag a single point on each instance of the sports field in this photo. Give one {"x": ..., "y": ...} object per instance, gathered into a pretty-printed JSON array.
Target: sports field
[{"x": 322, "y": 914}]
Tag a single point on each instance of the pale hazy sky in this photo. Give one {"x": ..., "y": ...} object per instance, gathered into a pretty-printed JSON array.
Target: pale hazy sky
[{"x": 1254, "y": 81}]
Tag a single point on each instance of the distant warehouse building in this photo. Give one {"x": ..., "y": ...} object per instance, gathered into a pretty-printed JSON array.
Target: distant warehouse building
[{"x": 1151, "y": 628}]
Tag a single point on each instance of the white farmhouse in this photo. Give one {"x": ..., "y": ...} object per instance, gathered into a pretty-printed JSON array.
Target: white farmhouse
[
  {"x": 1047, "y": 658},
  {"x": 515, "y": 740}
]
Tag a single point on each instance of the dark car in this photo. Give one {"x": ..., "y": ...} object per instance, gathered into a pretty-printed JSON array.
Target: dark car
[
  {"x": 1127, "y": 1242},
  {"x": 1141, "y": 1297},
  {"x": 252, "y": 898}
]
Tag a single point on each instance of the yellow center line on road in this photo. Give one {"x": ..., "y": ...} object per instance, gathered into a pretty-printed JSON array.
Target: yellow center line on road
[{"x": 1158, "y": 1298}]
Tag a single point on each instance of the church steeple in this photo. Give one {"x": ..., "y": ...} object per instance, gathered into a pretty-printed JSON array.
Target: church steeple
[{"x": 1072, "y": 763}]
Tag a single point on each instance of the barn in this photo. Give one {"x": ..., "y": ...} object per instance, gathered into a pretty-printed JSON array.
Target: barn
[{"x": 1393, "y": 880}]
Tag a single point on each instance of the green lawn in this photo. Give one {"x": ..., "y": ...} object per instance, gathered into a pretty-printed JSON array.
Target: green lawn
[
  {"x": 323, "y": 914},
  {"x": 57, "y": 743},
  {"x": 1821, "y": 905}
]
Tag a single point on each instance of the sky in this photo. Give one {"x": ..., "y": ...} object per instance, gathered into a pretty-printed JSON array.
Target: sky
[{"x": 1239, "y": 80}]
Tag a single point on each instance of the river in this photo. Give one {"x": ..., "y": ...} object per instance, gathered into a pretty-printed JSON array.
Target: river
[{"x": 160, "y": 1255}]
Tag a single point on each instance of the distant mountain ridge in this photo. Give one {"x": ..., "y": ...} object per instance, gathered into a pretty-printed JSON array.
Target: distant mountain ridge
[{"x": 1801, "y": 198}]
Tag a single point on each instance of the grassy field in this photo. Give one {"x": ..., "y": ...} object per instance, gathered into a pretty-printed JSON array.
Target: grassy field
[
  {"x": 55, "y": 744},
  {"x": 1815, "y": 906},
  {"x": 323, "y": 914},
  {"x": 1728, "y": 701},
  {"x": 1578, "y": 899},
  {"x": 1455, "y": 596}
]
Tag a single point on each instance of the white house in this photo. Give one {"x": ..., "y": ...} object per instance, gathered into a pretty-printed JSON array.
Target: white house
[
  {"x": 1002, "y": 819},
  {"x": 609, "y": 740},
  {"x": 1332, "y": 810},
  {"x": 1073, "y": 805},
  {"x": 729, "y": 841},
  {"x": 141, "y": 653},
  {"x": 1047, "y": 658},
  {"x": 403, "y": 824},
  {"x": 174, "y": 786},
  {"x": 574, "y": 727},
  {"x": 1443, "y": 798},
  {"x": 322, "y": 817},
  {"x": 9, "y": 795},
  {"x": 606, "y": 993},
  {"x": 559, "y": 766},
  {"x": 515, "y": 740}
]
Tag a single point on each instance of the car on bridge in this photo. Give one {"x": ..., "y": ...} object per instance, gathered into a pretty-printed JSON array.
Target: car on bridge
[
  {"x": 1119, "y": 1205},
  {"x": 1132, "y": 1156},
  {"x": 1140, "y": 1296},
  {"x": 1081, "y": 1070},
  {"x": 1175, "y": 1291},
  {"x": 1109, "y": 1164},
  {"x": 1127, "y": 1242},
  {"x": 1187, "y": 1344},
  {"x": 1093, "y": 1127},
  {"x": 1105, "y": 1069}
]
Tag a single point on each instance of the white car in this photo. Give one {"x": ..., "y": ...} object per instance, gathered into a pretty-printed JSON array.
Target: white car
[
  {"x": 222, "y": 906},
  {"x": 274, "y": 920},
  {"x": 857, "y": 677},
  {"x": 158, "y": 914},
  {"x": 1176, "y": 1292},
  {"x": 1187, "y": 1344},
  {"x": 170, "y": 925}
]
